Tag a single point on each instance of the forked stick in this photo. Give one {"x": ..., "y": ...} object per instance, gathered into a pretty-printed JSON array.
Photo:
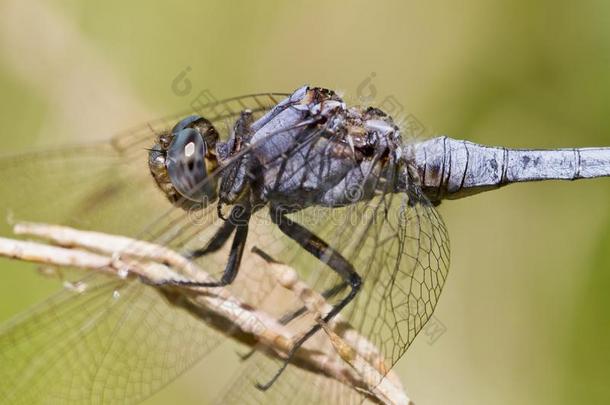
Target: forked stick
[{"x": 346, "y": 357}]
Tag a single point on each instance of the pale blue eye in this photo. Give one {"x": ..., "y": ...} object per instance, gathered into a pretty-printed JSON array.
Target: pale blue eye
[
  {"x": 186, "y": 166},
  {"x": 184, "y": 123}
]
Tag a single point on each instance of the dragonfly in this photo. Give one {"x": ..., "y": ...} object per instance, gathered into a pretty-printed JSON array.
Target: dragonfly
[{"x": 334, "y": 191}]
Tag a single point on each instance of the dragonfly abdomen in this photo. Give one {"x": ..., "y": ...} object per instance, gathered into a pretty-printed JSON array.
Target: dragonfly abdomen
[{"x": 450, "y": 168}]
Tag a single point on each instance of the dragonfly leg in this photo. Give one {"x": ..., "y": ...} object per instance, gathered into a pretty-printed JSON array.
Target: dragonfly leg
[
  {"x": 328, "y": 293},
  {"x": 290, "y": 316},
  {"x": 216, "y": 242},
  {"x": 240, "y": 220},
  {"x": 322, "y": 251}
]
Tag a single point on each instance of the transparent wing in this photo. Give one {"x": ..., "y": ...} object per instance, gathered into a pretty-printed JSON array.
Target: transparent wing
[
  {"x": 297, "y": 386},
  {"x": 119, "y": 341}
]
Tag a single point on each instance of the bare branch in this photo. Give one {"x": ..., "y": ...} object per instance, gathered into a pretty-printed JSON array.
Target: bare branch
[{"x": 344, "y": 356}]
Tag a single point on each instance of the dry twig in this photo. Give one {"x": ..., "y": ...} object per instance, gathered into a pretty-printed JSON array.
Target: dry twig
[{"x": 347, "y": 357}]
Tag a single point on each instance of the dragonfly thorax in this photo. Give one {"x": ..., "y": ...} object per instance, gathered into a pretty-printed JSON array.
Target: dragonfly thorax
[{"x": 339, "y": 157}]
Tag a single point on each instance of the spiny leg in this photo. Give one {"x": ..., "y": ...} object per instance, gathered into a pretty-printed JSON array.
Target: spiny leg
[
  {"x": 322, "y": 251},
  {"x": 290, "y": 316},
  {"x": 216, "y": 242},
  {"x": 328, "y": 293},
  {"x": 241, "y": 131},
  {"x": 240, "y": 215}
]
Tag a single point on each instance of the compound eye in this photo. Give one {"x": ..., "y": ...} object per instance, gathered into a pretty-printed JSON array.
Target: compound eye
[
  {"x": 186, "y": 166},
  {"x": 185, "y": 123}
]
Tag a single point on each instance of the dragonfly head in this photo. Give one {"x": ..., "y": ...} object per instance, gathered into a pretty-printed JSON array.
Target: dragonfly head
[{"x": 183, "y": 160}]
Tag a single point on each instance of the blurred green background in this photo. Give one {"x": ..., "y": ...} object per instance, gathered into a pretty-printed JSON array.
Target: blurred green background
[{"x": 526, "y": 305}]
